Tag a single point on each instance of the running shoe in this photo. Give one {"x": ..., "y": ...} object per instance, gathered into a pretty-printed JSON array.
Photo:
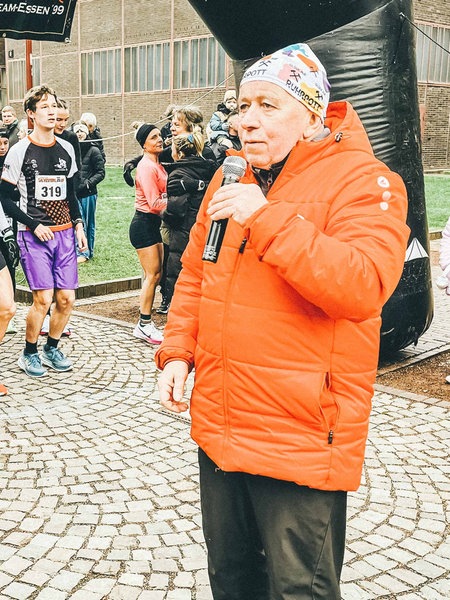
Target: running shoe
[
  {"x": 3, "y": 390},
  {"x": 31, "y": 364},
  {"x": 11, "y": 326},
  {"x": 55, "y": 359},
  {"x": 46, "y": 327},
  {"x": 149, "y": 333},
  {"x": 163, "y": 308}
]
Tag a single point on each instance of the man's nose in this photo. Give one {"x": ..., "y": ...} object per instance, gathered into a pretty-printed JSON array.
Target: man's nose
[{"x": 250, "y": 118}]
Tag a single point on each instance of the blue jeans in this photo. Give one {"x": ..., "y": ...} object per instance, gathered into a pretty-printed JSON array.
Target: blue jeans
[{"x": 87, "y": 209}]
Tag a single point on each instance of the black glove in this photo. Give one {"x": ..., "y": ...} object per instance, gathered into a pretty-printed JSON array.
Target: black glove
[
  {"x": 178, "y": 187},
  {"x": 11, "y": 247},
  {"x": 127, "y": 168}
]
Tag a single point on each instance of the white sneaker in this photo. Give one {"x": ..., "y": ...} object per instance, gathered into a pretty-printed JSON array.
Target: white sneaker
[
  {"x": 12, "y": 328},
  {"x": 45, "y": 325},
  {"x": 149, "y": 333},
  {"x": 442, "y": 282},
  {"x": 447, "y": 379},
  {"x": 46, "y": 328}
]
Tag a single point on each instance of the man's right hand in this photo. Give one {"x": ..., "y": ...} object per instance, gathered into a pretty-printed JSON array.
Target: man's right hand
[
  {"x": 44, "y": 233},
  {"x": 171, "y": 384}
]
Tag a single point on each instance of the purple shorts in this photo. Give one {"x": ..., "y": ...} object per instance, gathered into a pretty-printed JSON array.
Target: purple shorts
[{"x": 49, "y": 265}]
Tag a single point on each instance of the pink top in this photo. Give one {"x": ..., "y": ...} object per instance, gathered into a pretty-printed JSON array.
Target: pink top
[{"x": 151, "y": 179}]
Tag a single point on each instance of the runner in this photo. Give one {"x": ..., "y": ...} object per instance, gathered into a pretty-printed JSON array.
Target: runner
[{"x": 42, "y": 167}]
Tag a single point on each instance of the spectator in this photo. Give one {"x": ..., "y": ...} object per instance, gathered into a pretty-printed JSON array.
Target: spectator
[
  {"x": 92, "y": 173},
  {"x": 42, "y": 167},
  {"x": 62, "y": 120},
  {"x": 145, "y": 235},
  {"x": 182, "y": 209},
  {"x": 166, "y": 134},
  {"x": 23, "y": 129},
  {"x": 184, "y": 120},
  {"x": 218, "y": 124},
  {"x": 11, "y": 122},
  {"x": 283, "y": 332},
  {"x": 227, "y": 140},
  {"x": 95, "y": 135}
]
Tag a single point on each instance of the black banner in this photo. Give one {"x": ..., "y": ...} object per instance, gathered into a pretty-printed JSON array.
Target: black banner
[{"x": 49, "y": 20}]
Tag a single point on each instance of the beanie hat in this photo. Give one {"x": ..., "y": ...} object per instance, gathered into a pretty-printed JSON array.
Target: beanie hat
[
  {"x": 229, "y": 95},
  {"x": 142, "y": 132},
  {"x": 3, "y": 132},
  {"x": 81, "y": 127},
  {"x": 297, "y": 70}
]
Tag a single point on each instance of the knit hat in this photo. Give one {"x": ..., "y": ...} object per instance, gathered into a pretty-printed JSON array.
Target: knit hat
[
  {"x": 3, "y": 132},
  {"x": 297, "y": 70},
  {"x": 142, "y": 132},
  {"x": 81, "y": 127},
  {"x": 229, "y": 95}
]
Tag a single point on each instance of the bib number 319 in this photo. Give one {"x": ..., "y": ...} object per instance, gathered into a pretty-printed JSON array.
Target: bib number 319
[{"x": 51, "y": 187}]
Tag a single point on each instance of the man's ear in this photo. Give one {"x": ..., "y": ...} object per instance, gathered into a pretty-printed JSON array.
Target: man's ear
[
  {"x": 313, "y": 127},
  {"x": 30, "y": 113}
]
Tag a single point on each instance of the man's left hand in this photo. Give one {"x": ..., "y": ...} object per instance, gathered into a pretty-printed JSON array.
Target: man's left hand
[
  {"x": 237, "y": 201},
  {"x": 81, "y": 237}
]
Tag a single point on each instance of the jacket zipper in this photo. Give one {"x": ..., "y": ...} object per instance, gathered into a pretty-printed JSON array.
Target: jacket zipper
[{"x": 224, "y": 350}]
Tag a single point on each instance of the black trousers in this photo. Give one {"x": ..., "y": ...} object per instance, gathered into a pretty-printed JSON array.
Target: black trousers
[{"x": 269, "y": 539}]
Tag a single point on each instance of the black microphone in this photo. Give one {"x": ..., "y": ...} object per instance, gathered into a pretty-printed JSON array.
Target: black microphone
[{"x": 233, "y": 169}]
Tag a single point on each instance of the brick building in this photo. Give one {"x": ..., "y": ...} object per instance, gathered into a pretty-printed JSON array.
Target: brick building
[{"x": 132, "y": 64}]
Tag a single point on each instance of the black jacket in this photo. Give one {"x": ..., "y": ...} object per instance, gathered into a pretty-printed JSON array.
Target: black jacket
[
  {"x": 181, "y": 212},
  {"x": 13, "y": 132},
  {"x": 92, "y": 169}
]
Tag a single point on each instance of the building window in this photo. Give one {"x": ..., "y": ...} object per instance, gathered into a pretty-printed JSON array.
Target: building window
[
  {"x": 433, "y": 62},
  {"x": 147, "y": 67},
  {"x": 101, "y": 72},
  {"x": 17, "y": 77},
  {"x": 198, "y": 63}
]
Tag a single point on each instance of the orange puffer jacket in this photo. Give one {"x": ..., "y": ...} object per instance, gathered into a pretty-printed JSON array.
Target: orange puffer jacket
[{"x": 283, "y": 331}]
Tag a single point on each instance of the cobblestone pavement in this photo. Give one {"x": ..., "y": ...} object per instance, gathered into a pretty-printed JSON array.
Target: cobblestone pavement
[{"x": 99, "y": 489}]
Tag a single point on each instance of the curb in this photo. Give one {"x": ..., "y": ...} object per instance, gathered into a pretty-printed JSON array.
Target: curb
[{"x": 89, "y": 290}]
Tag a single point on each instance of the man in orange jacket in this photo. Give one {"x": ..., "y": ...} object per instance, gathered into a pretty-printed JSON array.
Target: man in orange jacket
[{"x": 283, "y": 333}]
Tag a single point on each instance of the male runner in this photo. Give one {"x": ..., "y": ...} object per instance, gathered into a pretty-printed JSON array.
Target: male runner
[{"x": 42, "y": 167}]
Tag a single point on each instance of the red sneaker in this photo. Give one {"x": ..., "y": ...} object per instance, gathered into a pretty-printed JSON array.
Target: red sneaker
[{"x": 3, "y": 390}]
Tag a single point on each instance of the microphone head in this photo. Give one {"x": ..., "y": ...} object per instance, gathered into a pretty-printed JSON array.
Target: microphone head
[{"x": 234, "y": 167}]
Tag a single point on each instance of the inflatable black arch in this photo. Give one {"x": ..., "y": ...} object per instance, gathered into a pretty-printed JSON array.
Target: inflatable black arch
[{"x": 367, "y": 48}]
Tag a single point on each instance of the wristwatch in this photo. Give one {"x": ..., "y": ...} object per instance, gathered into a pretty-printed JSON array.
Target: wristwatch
[{"x": 76, "y": 222}]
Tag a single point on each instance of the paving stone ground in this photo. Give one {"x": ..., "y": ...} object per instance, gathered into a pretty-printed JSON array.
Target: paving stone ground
[{"x": 99, "y": 489}]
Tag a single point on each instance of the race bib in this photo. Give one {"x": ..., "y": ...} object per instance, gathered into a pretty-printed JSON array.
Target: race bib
[{"x": 50, "y": 187}]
